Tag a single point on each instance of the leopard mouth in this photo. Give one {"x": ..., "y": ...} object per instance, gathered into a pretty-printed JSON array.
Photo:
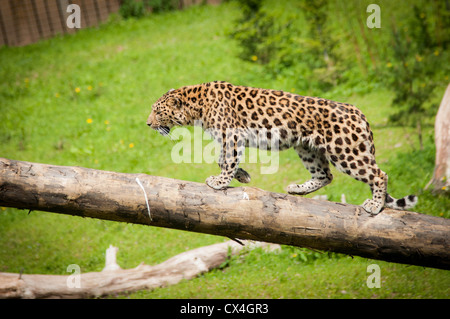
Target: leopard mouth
[{"x": 163, "y": 130}]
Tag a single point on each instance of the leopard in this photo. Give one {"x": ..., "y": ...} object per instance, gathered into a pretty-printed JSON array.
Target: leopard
[{"x": 320, "y": 130}]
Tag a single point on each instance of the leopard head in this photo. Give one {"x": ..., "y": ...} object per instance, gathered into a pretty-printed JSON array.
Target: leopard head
[{"x": 170, "y": 110}]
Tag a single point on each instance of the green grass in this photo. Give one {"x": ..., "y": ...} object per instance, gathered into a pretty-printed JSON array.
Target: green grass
[
  {"x": 285, "y": 275},
  {"x": 120, "y": 69}
]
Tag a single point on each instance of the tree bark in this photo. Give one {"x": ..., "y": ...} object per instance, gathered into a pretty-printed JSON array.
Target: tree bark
[
  {"x": 242, "y": 212},
  {"x": 114, "y": 280},
  {"x": 441, "y": 176}
]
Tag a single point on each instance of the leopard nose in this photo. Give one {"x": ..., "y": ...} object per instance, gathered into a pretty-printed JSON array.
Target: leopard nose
[{"x": 152, "y": 126}]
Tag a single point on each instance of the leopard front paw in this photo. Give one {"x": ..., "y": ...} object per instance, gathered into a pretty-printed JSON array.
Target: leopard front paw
[
  {"x": 295, "y": 189},
  {"x": 217, "y": 182}
]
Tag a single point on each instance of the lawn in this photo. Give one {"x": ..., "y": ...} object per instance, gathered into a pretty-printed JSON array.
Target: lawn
[{"x": 83, "y": 100}]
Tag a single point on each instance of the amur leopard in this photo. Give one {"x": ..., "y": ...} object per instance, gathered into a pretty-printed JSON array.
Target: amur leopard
[{"x": 320, "y": 130}]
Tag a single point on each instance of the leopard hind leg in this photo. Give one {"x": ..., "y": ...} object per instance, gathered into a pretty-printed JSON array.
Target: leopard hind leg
[
  {"x": 382, "y": 199},
  {"x": 317, "y": 164},
  {"x": 378, "y": 186}
]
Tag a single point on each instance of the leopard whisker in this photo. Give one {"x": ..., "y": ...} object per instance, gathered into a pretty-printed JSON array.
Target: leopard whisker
[
  {"x": 170, "y": 136},
  {"x": 165, "y": 131},
  {"x": 177, "y": 123}
]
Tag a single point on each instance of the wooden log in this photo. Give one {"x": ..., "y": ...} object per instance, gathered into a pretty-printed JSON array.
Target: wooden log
[
  {"x": 241, "y": 212},
  {"x": 441, "y": 175},
  {"x": 114, "y": 280}
]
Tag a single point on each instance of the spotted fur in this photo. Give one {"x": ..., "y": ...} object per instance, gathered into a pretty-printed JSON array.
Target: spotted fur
[{"x": 321, "y": 131}]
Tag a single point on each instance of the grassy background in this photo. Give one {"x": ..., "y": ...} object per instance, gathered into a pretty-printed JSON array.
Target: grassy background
[{"x": 83, "y": 100}]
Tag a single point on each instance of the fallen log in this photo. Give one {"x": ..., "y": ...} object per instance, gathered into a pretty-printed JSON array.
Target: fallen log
[
  {"x": 441, "y": 174},
  {"x": 114, "y": 280},
  {"x": 241, "y": 212}
]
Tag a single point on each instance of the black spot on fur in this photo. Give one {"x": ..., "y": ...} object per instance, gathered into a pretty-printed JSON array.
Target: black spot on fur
[
  {"x": 389, "y": 199},
  {"x": 249, "y": 104},
  {"x": 278, "y": 93},
  {"x": 284, "y": 102},
  {"x": 401, "y": 202}
]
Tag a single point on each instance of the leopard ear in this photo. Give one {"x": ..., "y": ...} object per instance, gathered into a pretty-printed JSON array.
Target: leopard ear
[{"x": 174, "y": 102}]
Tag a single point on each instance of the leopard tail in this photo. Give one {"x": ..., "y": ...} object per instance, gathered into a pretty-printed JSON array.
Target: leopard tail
[{"x": 406, "y": 202}]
